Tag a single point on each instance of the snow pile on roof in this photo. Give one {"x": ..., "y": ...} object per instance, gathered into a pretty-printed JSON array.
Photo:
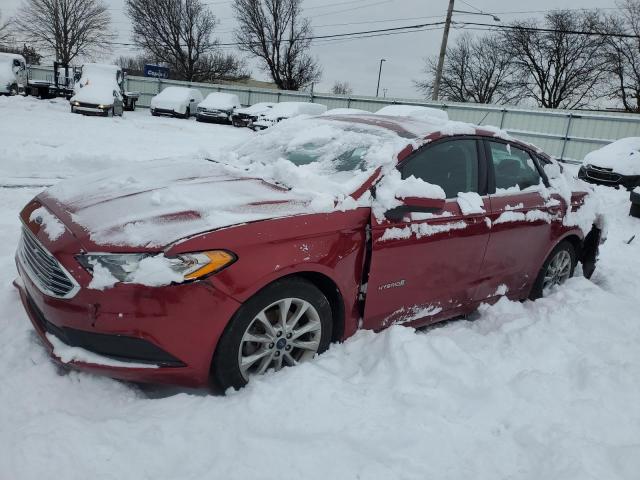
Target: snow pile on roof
[
  {"x": 221, "y": 101},
  {"x": 414, "y": 111},
  {"x": 623, "y": 156}
]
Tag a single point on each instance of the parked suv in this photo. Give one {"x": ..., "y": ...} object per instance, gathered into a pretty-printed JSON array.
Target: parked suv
[
  {"x": 217, "y": 107},
  {"x": 220, "y": 271},
  {"x": 176, "y": 101}
]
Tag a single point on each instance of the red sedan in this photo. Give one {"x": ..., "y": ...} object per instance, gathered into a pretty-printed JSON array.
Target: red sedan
[{"x": 215, "y": 271}]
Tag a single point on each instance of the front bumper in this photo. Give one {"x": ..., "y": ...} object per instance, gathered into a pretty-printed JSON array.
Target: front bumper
[
  {"x": 172, "y": 330},
  {"x": 607, "y": 177},
  {"x": 213, "y": 116},
  {"x": 90, "y": 109}
]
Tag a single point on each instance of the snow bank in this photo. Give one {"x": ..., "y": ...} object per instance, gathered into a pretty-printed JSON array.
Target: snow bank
[{"x": 623, "y": 156}]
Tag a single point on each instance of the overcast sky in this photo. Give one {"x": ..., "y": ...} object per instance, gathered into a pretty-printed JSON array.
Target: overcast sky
[{"x": 356, "y": 60}]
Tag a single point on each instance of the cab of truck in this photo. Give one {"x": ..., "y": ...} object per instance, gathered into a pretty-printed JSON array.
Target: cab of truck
[{"x": 13, "y": 74}]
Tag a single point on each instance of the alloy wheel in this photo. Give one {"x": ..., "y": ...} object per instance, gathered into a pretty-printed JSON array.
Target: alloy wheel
[
  {"x": 285, "y": 333},
  {"x": 558, "y": 270}
]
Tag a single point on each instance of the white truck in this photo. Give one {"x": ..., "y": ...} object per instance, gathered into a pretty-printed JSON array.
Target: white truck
[
  {"x": 100, "y": 91},
  {"x": 13, "y": 74}
]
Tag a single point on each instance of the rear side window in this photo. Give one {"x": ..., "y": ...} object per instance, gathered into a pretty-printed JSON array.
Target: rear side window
[
  {"x": 451, "y": 164},
  {"x": 513, "y": 166}
]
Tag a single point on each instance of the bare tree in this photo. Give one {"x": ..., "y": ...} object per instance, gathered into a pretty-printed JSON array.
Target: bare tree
[
  {"x": 623, "y": 54},
  {"x": 68, "y": 28},
  {"x": 5, "y": 33},
  {"x": 341, "y": 88},
  {"x": 275, "y": 32},
  {"x": 180, "y": 34},
  {"x": 476, "y": 70},
  {"x": 556, "y": 68}
]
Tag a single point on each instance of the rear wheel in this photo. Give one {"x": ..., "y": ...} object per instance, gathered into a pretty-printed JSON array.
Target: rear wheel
[
  {"x": 187, "y": 112},
  {"x": 556, "y": 270},
  {"x": 286, "y": 323},
  {"x": 13, "y": 90}
]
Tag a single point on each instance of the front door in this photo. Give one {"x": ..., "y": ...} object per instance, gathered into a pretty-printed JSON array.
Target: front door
[{"x": 426, "y": 266}]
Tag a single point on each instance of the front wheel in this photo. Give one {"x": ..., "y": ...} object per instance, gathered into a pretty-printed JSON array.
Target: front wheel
[
  {"x": 556, "y": 270},
  {"x": 286, "y": 323}
]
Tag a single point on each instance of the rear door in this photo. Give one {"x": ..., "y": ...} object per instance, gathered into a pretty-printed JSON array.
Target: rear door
[
  {"x": 426, "y": 266},
  {"x": 520, "y": 217}
]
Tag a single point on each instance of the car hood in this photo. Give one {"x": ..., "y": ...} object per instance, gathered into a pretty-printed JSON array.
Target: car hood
[
  {"x": 622, "y": 156},
  {"x": 169, "y": 103},
  {"x": 94, "y": 94},
  {"x": 161, "y": 202}
]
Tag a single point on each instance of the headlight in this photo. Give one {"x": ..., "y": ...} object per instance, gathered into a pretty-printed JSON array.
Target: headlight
[
  {"x": 76, "y": 103},
  {"x": 129, "y": 267}
]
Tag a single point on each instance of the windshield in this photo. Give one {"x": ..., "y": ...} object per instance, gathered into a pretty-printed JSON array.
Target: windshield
[{"x": 316, "y": 154}]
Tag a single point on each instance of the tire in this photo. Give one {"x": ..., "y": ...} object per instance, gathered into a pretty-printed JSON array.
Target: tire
[
  {"x": 277, "y": 344},
  {"x": 187, "y": 113},
  {"x": 13, "y": 90},
  {"x": 564, "y": 250},
  {"x": 109, "y": 113},
  {"x": 634, "y": 211}
]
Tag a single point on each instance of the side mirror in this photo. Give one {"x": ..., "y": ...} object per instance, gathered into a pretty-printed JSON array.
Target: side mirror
[{"x": 415, "y": 204}]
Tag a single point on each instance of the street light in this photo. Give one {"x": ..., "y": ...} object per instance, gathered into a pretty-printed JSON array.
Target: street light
[{"x": 379, "y": 73}]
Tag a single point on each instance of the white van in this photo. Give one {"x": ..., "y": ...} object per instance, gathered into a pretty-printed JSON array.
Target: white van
[{"x": 13, "y": 74}]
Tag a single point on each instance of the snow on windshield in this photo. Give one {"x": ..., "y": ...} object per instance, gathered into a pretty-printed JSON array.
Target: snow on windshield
[{"x": 317, "y": 155}]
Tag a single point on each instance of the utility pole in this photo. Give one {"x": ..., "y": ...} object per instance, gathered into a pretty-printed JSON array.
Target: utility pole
[
  {"x": 443, "y": 51},
  {"x": 379, "y": 73}
]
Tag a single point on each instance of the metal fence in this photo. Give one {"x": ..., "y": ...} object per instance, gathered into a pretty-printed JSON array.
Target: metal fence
[{"x": 567, "y": 134}]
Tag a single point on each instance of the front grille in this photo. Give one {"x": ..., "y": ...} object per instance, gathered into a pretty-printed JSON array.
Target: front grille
[
  {"x": 602, "y": 174},
  {"x": 43, "y": 269}
]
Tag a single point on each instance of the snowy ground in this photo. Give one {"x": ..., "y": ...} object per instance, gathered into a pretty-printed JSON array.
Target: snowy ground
[{"x": 544, "y": 390}]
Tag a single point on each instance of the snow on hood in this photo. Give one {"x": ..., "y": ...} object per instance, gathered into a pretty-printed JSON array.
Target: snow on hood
[
  {"x": 623, "y": 156},
  {"x": 171, "y": 97},
  {"x": 98, "y": 93},
  {"x": 221, "y": 101},
  {"x": 156, "y": 203},
  {"x": 294, "y": 168}
]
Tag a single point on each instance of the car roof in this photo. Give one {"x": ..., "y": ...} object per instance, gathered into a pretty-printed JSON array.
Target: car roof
[{"x": 416, "y": 128}]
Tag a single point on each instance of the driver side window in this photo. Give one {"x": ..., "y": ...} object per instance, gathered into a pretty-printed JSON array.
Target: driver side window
[{"x": 451, "y": 164}]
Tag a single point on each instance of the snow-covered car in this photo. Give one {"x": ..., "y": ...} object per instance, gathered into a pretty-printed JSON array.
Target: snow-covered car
[
  {"x": 284, "y": 110},
  {"x": 616, "y": 164},
  {"x": 217, "y": 107},
  {"x": 244, "y": 117},
  {"x": 196, "y": 271},
  {"x": 346, "y": 111},
  {"x": 176, "y": 101},
  {"x": 99, "y": 90},
  {"x": 13, "y": 73},
  {"x": 414, "y": 111}
]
